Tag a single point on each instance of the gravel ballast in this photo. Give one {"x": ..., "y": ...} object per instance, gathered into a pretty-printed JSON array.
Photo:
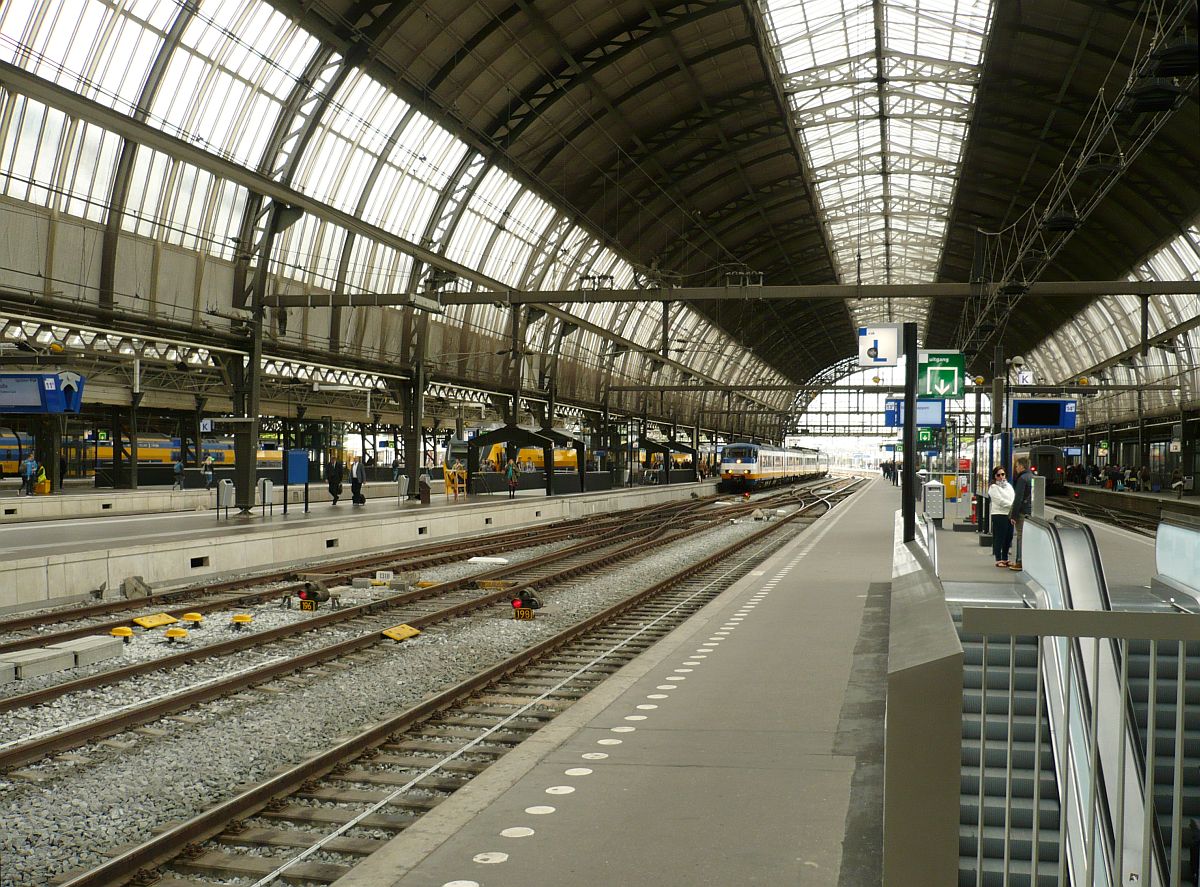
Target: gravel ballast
[{"x": 66, "y": 812}]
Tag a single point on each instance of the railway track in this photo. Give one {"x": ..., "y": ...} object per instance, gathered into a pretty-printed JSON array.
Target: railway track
[
  {"x": 24, "y": 632},
  {"x": 313, "y": 822},
  {"x": 1133, "y": 521},
  {"x": 358, "y": 627}
]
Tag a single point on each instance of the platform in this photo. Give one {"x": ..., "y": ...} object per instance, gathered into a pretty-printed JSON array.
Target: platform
[
  {"x": 762, "y": 766},
  {"x": 1149, "y": 503},
  {"x": 1128, "y": 559},
  {"x": 63, "y": 560}
]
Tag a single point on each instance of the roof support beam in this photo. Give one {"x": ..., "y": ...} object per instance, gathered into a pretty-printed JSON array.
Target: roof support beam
[{"x": 1060, "y": 289}]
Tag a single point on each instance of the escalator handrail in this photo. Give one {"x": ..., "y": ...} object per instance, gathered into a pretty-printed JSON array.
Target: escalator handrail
[
  {"x": 1158, "y": 846},
  {"x": 1082, "y": 699}
]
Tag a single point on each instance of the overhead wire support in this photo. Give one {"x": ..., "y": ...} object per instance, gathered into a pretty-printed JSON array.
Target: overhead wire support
[{"x": 1110, "y": 139}]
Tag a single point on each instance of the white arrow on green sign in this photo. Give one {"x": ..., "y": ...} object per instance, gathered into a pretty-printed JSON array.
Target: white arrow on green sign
[{"x": 941, "y": 374}]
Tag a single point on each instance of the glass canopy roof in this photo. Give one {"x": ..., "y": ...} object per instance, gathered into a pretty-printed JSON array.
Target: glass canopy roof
[{"x": 881, "y": 95}]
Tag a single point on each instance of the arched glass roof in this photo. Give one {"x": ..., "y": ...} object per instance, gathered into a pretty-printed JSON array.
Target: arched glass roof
[
  {"x": 1095, "y": 343},
  {"x": 881, "y": 95},
  {"x": 234, "y": 78}
]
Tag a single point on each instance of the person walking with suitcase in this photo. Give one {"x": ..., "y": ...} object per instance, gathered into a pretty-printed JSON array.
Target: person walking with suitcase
[{"x": 358, "y": 476}]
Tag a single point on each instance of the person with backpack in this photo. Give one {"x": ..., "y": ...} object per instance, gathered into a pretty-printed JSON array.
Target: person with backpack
[{"x": 177, "y": 471}]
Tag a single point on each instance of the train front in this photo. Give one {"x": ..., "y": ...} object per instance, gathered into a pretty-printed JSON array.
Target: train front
[{"x": 739, "y": 468}]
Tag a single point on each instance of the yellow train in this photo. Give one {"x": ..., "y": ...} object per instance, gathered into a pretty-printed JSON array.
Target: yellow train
[{"x": 83, "y": 455}]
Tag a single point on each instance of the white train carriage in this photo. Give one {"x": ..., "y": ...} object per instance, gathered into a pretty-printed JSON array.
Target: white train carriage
[{"x": 751, "y": 466}]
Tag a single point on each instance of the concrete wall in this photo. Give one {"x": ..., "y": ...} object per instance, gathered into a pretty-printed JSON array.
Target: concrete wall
[{"x": 47, "y": 579}]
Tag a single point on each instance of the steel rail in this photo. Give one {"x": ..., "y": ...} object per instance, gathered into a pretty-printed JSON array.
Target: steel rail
[
  {"x": 138, "y": 861},
  {"x": 72, "y": 737}
]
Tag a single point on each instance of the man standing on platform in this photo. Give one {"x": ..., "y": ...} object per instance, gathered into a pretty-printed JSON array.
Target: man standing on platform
[
  {"x": 1022, "y": 505},
  {"x": 358, "y": 475},
  {"x": 29, "y": 470}
]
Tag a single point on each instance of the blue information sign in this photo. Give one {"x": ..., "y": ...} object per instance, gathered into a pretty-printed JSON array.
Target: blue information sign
[
  {"x": 41, "y": 392},
  {"x": 930, "y": 413}
]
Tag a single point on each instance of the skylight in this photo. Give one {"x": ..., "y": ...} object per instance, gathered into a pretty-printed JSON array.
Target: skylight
[{"x": 882, "y": 120}]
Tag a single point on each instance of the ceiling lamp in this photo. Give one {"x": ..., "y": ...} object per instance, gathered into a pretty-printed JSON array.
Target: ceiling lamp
[
  {"x": 1178, "y": 58},
  {"x": 1061, "y": 220},
  {"x": 1152, "y": 95}
]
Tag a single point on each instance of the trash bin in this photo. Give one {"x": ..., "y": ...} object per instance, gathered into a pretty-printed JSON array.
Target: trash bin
[
  {"x": 225, "y": 494},
  {"x": 401, "y": 489},
  {"x": 266, "y": 494},
  {"x": 423, "y": 489}
]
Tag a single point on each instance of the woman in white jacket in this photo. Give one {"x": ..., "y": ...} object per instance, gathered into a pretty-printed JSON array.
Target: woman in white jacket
[{"x": 1001, "y": 495}]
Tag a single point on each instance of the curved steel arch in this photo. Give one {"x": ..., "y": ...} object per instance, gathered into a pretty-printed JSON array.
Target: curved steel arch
[{"x": 581, "y": 68}]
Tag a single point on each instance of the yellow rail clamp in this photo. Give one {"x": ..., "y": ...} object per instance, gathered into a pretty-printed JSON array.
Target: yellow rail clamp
[
  {"x": 401, "y": 632},
  {"x": 494, "y": 584},
  {"x": 124, "y": 632},
  {"x": 425, "y": 583},
  {"x": 155, "y": 621}
]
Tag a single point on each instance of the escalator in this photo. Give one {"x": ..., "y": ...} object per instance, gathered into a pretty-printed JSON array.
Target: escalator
[
  {"x": 1166, "y": 668},
  {"x": 1029, "y": 792}
]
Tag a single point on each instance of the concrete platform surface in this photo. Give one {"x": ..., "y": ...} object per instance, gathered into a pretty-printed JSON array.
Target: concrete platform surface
[{"x": 745, "y": 748}]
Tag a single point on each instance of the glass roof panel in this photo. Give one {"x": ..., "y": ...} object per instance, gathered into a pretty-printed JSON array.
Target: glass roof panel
[
  {"x": 882, "y": 123},
  {"x": 226, "y": 82},
  {"x": 96, "y": 48}
]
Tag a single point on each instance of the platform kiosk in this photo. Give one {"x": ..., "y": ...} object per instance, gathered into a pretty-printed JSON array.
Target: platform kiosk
[{"x": 513, "y": 437}]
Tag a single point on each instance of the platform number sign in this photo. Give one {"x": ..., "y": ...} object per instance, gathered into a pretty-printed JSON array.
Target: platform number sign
[
  {"x": 308, "y": 606},
  {"x": 522, "y": 612},
  {"x": 941, "y": 374}
]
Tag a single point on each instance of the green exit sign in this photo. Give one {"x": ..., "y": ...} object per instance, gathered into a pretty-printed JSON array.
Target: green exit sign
[
  {"x": 924, "y": 435},
  {"x": 941, "y": 374}
]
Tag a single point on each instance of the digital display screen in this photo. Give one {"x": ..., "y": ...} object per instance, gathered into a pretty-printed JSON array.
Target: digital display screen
[
  {"x": 930, "y": 413},
  {"x": 20, "y": 391},
  {"x": 1072, "y": 451},
  {"x": 1033, "y": 412},
  {"x": 1043, "y": 413}
]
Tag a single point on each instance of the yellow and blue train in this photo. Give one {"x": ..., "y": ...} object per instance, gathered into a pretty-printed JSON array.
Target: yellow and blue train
[
  {"x": 83, "y": 454},
  {"x": 751, "y": 466}
]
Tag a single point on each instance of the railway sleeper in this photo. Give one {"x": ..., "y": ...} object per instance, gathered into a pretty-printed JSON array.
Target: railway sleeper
[
  {"x": 561, "y": 699},
  {"x": 364, "y": 796},
  {"x": 496, "y": 711},
  {"x": 465, "y": 733},
  {"x": 394, "y": 778},
  {"x": 224, "y": 865},
  {"x": 441, "y": 748},
  {"x": 290, "y": 839},
  {"x": 325, "y": 816},
  {"x": 415, "y": 762}
]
